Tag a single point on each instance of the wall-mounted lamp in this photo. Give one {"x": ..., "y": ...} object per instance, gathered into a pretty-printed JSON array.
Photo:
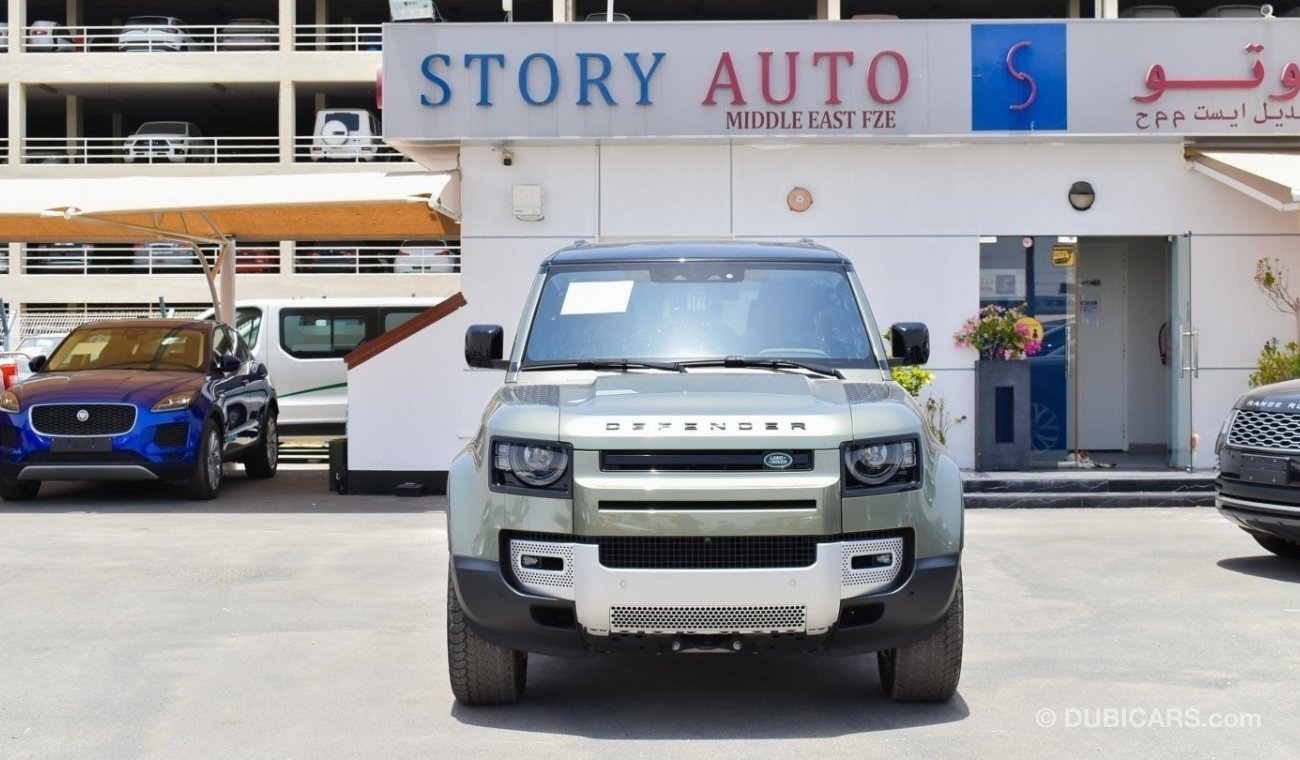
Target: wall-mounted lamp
[{"x": 1081, "y": 196}]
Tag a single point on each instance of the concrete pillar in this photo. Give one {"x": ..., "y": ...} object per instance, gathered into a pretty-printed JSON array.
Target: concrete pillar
[
  {"x": 287, "y": 247},
  {"x": 15, "y": 263},
  {"x": 1107, "y": 8},
  {"x": 828, "y": 10},
  {"x": 118, "y": 129},
  {"x": 226, "y": 283},
  {"x": 74, "y": 13},
  {"x": 288, "y": 127},
  {"x": 17, "y": 23},
  {"x": 17, "y": 119},
  {"x": 322, "y": 18},
  {"x": 1073, "y": 9},
  {"x": 75, "y": 128},
  {"x": 562, "y": 10},
  {"x": 288, "y": 20}
]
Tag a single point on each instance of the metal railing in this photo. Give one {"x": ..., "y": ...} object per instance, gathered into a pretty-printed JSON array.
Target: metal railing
[
  {"x": 4, "y": 150},
  {"x": 36, "y": 319},
  {"x": 352, "y": 37},
  {"x": 150, "y": 149},
  {"x": 410, "y": 257},
  {"x": 180, "y": 38},
  {"x": 423, "y": 257},
  {"x": 350, "y": 150}
]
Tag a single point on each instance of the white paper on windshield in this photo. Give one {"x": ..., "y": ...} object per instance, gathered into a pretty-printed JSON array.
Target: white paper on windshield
[{"x": 597, "y": 297}]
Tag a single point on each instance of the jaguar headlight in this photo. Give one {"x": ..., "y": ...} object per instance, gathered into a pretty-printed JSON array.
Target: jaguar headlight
[
  {"x": 531, "y": 465},
  {"x": 9, "y": 402},
  {"x": 877, "y": 464},
  {"x": 173, "y": 402}
]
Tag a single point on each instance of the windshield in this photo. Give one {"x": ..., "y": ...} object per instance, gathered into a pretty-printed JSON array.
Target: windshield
[
  {"x": 699, "y": 310},
  {"x": 162, "y": 128},
  {"x": 168, "y": 349}
]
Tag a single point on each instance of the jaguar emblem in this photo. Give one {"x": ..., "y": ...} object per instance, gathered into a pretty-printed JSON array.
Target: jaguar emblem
[{"x": 82, "y": 415}]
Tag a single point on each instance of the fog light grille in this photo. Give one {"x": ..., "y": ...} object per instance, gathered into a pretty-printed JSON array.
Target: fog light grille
[
  {"x": 773, "y": 619},
  {"x": 557, "y": 583},
  {"x": 865, "y": 579}
]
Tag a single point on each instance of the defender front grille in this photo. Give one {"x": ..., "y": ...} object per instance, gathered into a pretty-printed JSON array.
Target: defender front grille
[
  {"x": 1269, "y": 431},
  {"x": 100, "y": 419},
  {"x": 701, "y": 461},
  {"x": 707, "y": 552},
  {"x": 786, "y": 618}
]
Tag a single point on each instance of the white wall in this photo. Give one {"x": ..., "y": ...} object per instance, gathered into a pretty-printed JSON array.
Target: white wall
[{"x": 909, "y": 216}]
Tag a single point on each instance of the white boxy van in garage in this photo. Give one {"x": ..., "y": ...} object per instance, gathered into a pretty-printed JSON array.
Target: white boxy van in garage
[{"x": 302, "y": 341}]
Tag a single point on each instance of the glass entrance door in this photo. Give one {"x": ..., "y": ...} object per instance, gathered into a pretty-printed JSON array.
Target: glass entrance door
[{"x": 1183, "y": 344}]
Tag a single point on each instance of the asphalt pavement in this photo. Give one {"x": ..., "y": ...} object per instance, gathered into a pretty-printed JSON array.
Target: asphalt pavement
[{"x": 284, "y": 621}]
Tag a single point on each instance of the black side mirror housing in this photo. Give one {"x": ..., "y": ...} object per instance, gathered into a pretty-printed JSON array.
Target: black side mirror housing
[
  {"x": 229, "y": 363},
  {"x": 36, "y": 363},
  {"x": 910, "y": 344},
  {"x": 257, "y": 369},
  {"x": 484, "y": 346}
]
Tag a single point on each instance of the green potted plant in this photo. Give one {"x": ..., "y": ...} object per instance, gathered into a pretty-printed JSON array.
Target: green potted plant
[{"x": 1003, "y": 337}]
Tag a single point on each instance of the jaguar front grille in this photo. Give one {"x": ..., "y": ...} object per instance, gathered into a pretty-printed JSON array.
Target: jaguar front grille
[{"x": 83, "y": 419}]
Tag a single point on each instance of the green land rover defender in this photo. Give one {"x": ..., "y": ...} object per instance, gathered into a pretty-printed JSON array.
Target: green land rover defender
[{"x": 698, "y": 447}]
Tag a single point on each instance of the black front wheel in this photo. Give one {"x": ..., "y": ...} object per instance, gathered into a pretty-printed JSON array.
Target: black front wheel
[
  {"x": 1279, "y": 546},
  {"x": 482, "y": 673},
  {"x": 263, "y": 460},
  {"x": 205, "y": 482},
  {"x": 19, "y": 490},
  {"x": 927, "y": 671}
]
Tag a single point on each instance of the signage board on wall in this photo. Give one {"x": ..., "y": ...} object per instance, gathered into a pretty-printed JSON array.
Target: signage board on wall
[{"x": 905, "y": 79}]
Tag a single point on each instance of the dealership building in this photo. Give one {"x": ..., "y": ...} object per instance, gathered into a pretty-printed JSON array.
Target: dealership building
[{"x": 1118, "y": 177}]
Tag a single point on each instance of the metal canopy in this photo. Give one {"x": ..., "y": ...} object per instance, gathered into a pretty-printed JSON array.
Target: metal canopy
[{"x": 1270, "y": 178}]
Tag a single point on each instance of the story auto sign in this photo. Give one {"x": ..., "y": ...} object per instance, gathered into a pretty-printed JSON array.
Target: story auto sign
[{"x": 465, "y": 82}]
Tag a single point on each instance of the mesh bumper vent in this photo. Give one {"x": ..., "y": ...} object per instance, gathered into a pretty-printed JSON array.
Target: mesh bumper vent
[
  {"x": 705, "y": 620},
  {"x": 1271, "y": 431},
  {"x": 858, "y": 581}
]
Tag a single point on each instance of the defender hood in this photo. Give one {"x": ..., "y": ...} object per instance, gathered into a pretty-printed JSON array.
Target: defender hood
[
  {"x": 706, "y": 409},
  {"x": 1278, "y": 397}
]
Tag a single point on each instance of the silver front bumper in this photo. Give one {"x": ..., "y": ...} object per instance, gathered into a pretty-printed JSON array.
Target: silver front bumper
[{"x": 752, "y": 600}]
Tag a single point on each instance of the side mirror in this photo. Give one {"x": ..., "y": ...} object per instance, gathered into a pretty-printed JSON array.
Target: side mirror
[
  {"x": 229, "y": 363},
  {"x": 484, "y": 346},
  {"x": 36, "y": 363},
  {"x": 257, "y": 369},
  {"x": 911, "y": 344}
]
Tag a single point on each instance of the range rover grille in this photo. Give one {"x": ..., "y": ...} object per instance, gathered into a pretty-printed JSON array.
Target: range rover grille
[
  {"x": 1271, "y": 431},
  {"x": 100, "y": 419},
  {"x": 704, "y": 461}
]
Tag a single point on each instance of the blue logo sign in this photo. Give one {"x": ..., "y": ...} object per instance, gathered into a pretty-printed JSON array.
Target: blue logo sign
[{"x": 1018, "y": 77}]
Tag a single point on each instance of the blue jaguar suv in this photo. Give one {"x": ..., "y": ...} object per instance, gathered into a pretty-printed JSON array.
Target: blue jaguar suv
[{"x": 148, "y": 399}]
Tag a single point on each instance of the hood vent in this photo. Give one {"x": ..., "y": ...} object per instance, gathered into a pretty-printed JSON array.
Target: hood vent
[
  {"x": 866, "y": 393},
  {"x": 542, "y": 395}
]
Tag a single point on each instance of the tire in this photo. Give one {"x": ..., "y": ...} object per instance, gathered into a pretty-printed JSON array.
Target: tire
[
  {"x": 482, "y": 673},
  {"x": 927, "y": 671},
  {"x": 205, "y": 483},
  {"x": 263, "y": 460},
  {"x": 1279, "y": 546},
  {"x": 19, "y": 490}
]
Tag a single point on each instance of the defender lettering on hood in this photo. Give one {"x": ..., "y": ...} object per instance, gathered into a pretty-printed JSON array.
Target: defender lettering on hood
[{"x": 712, "y": 427}]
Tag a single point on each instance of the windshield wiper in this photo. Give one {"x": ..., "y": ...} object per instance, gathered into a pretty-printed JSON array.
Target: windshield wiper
[
  {"x": 619, "y": 364},
  {"x": 745, "y": 361}
]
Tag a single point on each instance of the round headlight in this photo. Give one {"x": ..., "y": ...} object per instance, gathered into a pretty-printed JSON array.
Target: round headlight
[
  {"x": 537, "y": 465},
  {"x": 875, "y": 463}
]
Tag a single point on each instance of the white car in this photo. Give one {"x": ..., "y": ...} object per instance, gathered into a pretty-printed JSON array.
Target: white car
[
  {"x": 39, "y": 345},
  {"x": 345, "y": 134},
  {"x": 164, "y": 256},
  {"x": 155, "y": 34},
  {"x": 4, "y": 36},
  {"x": 48, "y": 37},
  {"x": 174, "y": 142},
  {"x": 248, "y": 34},
  {"x": 429, "y": 256}
]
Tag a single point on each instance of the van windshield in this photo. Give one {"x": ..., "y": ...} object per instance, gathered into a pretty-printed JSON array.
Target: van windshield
[{"x": 699, "y": 310}]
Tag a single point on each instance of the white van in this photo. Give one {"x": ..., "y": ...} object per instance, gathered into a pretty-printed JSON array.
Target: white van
[{"x": 302, "y": 342}]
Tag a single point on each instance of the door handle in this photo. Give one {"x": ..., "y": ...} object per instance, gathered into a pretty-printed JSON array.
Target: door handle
[{"x": 1190, "y": 359}]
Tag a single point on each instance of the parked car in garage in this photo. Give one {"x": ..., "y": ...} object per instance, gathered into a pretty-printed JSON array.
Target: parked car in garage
[
  {"x": 164, "y": 256},
  {"x": 39, "y": 345},
  {"x": 148, "y": 399},
  {"x": 323, "y": 259},
  {"x": 425, "y": 257},
  {"x": 345, "y": 134},
  {"x": 1258, "y": 487},
  {"x": 257, "y": 260},
  {"x": 174, "y": 142},
  {"x": 49, "y": 37},
  {"x": 248, "y": 34},
  {"x": 59, "y": 258},
  {"x": 155, "y": 34},
  {"x": 4, "y": 36}
]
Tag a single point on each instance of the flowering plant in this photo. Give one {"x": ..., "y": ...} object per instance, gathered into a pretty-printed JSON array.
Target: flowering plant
[{"x": 997, "y": 333}]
